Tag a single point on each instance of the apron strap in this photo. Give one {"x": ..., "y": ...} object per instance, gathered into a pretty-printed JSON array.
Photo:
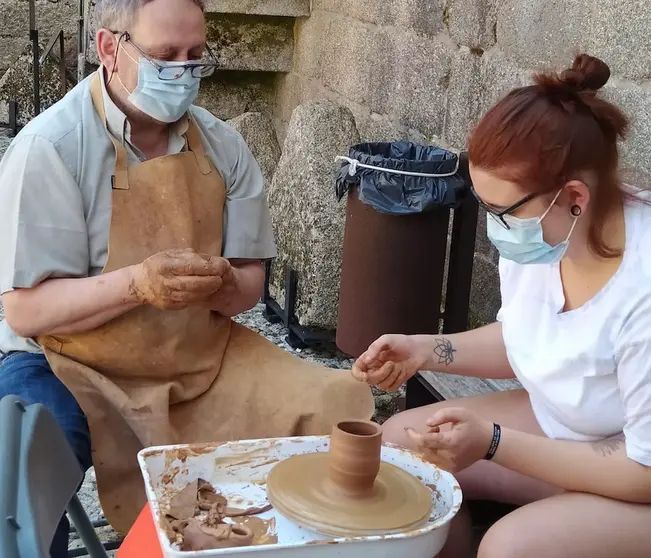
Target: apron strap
[
  {"x": 120, "y": 178},
  {"x": 196, "y": 146},
  {"x": 51, "y": 343}
]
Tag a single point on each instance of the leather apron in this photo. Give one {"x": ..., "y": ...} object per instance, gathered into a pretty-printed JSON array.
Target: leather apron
[{"x": 155, "y": 377}]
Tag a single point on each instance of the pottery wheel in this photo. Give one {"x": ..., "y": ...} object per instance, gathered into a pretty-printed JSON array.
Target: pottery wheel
[{"x": 297, "y": 488}]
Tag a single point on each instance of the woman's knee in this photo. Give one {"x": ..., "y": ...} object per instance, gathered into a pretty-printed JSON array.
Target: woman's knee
[
  {"x": 504, "y": 540},
  {"x": 394, "y": 428}
]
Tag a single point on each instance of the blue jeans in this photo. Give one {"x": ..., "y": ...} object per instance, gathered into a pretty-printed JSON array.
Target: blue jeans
[{"x": 30, "y": 377}]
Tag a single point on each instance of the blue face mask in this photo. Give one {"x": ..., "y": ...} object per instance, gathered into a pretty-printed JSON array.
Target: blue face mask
[
  {"x": 163, "y": 100},
  {"x": 524, "y": 243}
]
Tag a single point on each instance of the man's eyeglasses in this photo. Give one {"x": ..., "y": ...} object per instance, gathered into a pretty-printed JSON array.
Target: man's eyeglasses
[
  {"x": 499, "y": 215},
  {"x": 174, "y": 71}
]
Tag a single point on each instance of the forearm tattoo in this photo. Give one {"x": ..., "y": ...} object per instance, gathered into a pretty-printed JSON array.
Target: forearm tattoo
[
  {"x": 444, "y": 351},
  {"x": 609, "y": 446}
]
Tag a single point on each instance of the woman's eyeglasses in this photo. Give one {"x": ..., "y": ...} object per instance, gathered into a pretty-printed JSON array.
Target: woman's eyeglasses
[{"x": 499, "y": 215}]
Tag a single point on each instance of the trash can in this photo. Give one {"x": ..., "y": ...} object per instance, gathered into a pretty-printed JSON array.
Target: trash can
[{"x": 397, "y": 220}]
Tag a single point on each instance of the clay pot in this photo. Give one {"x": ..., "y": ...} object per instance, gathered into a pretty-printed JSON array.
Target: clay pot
[{"x": 354, "y": 458}]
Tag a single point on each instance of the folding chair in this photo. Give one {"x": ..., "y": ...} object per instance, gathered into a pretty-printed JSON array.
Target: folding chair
[{"x": 39, "y": 477}]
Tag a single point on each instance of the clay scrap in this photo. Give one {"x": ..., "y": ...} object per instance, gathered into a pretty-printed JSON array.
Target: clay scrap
[{"x": 194, "y": 520}]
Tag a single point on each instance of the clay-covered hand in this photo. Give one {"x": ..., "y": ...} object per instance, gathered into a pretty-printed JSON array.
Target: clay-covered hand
[
  {"x": 456, "y": 439},
  {"x": 391, "y": 360},
  {"x": 175, "y": 279},
  {"x": 228, "y": 273}
]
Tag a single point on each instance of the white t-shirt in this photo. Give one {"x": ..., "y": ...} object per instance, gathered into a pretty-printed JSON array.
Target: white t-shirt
[{"x": 587, "y": 371}]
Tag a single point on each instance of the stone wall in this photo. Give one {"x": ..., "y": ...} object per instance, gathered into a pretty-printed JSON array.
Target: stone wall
[{"x": 427, "y": 70}]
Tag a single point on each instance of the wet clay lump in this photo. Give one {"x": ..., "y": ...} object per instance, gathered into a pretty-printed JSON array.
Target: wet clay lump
[
  {"x": 349, "y": 491},
  {"x": 194, "y": 520}
]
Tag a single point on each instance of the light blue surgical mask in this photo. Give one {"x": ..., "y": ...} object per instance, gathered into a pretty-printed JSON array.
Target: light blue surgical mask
[
  {"x": 163, "y": 100},
  {"x": 524, "y": 243}
]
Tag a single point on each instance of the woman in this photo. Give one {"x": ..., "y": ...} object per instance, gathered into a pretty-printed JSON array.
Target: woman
[{"x": 573, "y": 448}]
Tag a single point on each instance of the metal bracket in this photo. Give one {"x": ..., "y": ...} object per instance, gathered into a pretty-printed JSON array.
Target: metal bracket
[{"x": 299, "y": 337}]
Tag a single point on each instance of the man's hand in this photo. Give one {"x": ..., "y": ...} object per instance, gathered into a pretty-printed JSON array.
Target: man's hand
[
  {"x": 228, "y": 275},
  {"x": 175, "y": 279},
  {"x": 392, "y": 360},
  {"x": 456, "y": 439},
  {"x": 241, "y": 289}
]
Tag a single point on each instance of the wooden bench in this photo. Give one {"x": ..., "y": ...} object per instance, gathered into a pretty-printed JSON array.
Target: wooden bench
[{"x": 429, "y": 387}]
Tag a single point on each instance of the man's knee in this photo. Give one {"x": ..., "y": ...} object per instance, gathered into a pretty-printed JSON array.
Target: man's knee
[
  {"x": 19, "y": 373},
  {"x": 344, "y": 397},
  {"x": 30, "y": 377}
]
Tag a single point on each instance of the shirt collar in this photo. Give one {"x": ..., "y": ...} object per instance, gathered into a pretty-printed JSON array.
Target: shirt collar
[{"x": 118, "y": 124}]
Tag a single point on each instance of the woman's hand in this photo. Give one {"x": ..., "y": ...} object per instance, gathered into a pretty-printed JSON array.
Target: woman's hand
[
  {"x": 456, "y": 439},
  {"x": 392, "y": 360}
]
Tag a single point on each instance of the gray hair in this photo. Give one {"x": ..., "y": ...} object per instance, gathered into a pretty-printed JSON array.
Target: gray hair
[{"x": 117, "y": 15}]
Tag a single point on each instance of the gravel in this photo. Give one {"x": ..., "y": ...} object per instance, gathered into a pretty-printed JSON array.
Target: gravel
[
  {"x": 386, "y": 405},
  {"x": 5, "y": 140}
]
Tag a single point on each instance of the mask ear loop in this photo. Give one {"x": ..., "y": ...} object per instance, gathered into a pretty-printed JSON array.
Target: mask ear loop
[
  {"x": 117, "y": 50},
  {"x": 576, "y": 220},
  {"x": 550, "y": 206},
  {"x": 575, "y": 210},
  {"x": 135, "y": 62}
]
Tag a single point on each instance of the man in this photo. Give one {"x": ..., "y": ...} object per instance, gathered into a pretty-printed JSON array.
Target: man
[{"x": 133, "y": 225}]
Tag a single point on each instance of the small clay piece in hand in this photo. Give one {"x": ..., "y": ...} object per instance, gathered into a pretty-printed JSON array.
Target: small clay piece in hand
[
  {"x": 199, "y": 537},
  {"x": 174, "y": 279}
]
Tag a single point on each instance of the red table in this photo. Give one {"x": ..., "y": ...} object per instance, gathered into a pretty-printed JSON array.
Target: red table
[{"x": 142, "y": 539}]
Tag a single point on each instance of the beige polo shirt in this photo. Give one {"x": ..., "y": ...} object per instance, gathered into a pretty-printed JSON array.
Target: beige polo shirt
[{"x": 55, "y": 194}]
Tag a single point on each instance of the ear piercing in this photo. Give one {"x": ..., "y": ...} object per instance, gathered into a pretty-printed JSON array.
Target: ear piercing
[{"x": 575, "y": 210}]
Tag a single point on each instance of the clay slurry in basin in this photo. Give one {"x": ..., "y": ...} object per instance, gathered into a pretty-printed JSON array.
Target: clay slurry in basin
[{"x": 349, "y": 491}]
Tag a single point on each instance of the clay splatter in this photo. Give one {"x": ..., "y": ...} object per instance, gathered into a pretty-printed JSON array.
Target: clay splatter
[{"x": 435, "y": 491}]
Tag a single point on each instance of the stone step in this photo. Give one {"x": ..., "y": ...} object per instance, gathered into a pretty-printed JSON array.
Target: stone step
[
  {"x": 228, "y": 94},
  {"x": 287, "y": 8},
  {"x": 251, "y": 42},
  {"x": 258, "y": 43}
]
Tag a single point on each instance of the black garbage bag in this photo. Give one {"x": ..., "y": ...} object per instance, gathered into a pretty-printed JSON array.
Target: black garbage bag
[{"x": 402, "y": 178}]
